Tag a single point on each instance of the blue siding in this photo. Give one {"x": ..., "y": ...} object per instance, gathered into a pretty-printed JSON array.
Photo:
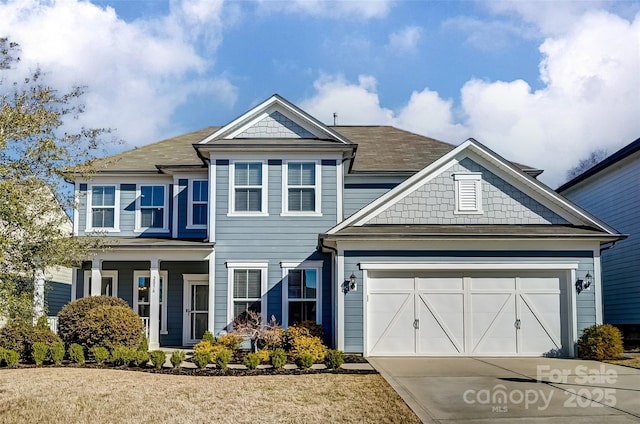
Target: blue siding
[
  {"x": 614, "y": 196},
  {"x": 273, "y": 239},
  {"x": 183, "y": 211},
  {"x": 56, "y": 296},
  {"x": 359, "y": 191},
  {"x": 353, "y": 302}
]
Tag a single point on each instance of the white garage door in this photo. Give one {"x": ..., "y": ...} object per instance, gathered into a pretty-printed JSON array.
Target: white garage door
[{"x": 471, "y": 313}]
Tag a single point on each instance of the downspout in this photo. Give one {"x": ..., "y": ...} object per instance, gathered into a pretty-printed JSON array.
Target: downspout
[{"x": 613, "y": 243}]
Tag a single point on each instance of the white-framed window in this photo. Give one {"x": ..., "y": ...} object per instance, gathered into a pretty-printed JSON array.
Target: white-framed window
[
  {"x": 468, "y": 193},
  {"x": 247, "y": 287},
  {"x": 301, "y": 188},
  {"x": 108, "y": 283},
  {"x": 152, "y": 207},
  {"x": 103, "y": 207},
  {"x": 301, "y": 292},
  {"x": 248, "y": 188},
  {"x": 142, "y": 293},
  {"x": 198, "y": 204}
]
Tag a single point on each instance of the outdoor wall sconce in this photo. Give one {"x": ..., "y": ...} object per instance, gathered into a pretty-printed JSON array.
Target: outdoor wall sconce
[
  {"x": 584, "y": 284},
  {"x": 351, "y": 284}
]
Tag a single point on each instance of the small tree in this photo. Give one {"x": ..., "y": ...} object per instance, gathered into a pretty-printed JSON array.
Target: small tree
[
  {"x": 596, "y": 156},
  {"x": 250, "y": 325}
]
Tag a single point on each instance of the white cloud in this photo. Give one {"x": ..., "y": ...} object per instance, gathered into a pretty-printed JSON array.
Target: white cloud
[
  {"x": 137, "y": 73},
  {"x": 352, "y": 9},
  {"x": 590, "y": 100},
  {"x": 489, "y": 35},
  {"x": 406, "y": 39}
]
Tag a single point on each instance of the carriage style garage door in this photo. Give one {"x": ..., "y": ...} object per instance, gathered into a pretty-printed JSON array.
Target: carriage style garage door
[{"x": 466, "y": 313}]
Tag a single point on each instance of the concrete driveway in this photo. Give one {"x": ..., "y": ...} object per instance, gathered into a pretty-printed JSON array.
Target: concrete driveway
[{"x": 526, "y": 390}]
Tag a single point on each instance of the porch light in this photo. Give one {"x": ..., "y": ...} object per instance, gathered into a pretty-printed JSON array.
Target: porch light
[
  {"x": 584, "y": 284},
  {"x": 353, "y": 284}
]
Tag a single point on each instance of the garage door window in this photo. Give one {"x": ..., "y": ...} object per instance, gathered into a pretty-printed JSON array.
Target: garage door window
[{"x": 301, "y": 295}]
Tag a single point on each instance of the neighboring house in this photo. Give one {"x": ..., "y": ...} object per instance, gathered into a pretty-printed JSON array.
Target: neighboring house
[
  {"x": 611, "y": 190},
  {"x": 397, "y": 244}
]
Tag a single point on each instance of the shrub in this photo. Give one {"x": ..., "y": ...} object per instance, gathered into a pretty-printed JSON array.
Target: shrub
[
  {"x": 9, "y": 357},
  {"x": 264, "y": 356},
  {"x": 39, "y": 352},
  {"x": 308, "y": 345},
  {"x": 600, "y": 342},
  {"x": 111, "y": 327},
  {"x": 312, "y": 327},
  {"x": 208, "y": 337},
  {"x": 141, "y": 357},
  {"x": 278, "y": 358},
  {"x": 203, "y": 346},
  {"x": 177, "y": 358},
  {"x": 56, "y": 352},
  {"x": 20, "y": 337},
  {"x": 223, "y": 357},
  {"x": 100, "y": 354},
  {"x": 231, "y": 341},
  {"x": 201, "y": 359},
  {"x": 73, "y": 314},
  {"x": 76, "y": 353},
  {"x": 251, "y": 360},
  {"x": 158, "y": 358},
  {"x": 42, "y": 323},
  {"x": 273, "y": 337},
  {"x": 334, "y": 358},
  {"x": 305, "y": 359},
  {"x": 144, "y": 343},
  {"x": 123, "y": 355}
]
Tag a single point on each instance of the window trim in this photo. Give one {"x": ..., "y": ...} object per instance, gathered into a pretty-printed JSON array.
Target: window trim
[
  {"x": 116, "y": 213},
  {"x": 163, "y": 300},
  {"x": 285, "y": 189},
  {"x": 232, "y": 189},
  {"x": 165, "y": 213},
  {"x": 191, "y": 203},
  {"x": 231, "y": 267},
  {"x": 289, "y": 266},
  {"x": 103, "y": 273},
  {"x": 476, "y": 179}
]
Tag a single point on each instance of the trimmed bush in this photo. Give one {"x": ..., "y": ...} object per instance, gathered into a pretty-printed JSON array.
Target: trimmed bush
[
  {"x": 334, "y": 358},
  {"x": 158, "y": 358},
  {"x": 123, "y": 355},
  {"x": 312, "y": 329},
  {"x": 264, "y": 356},
  {"x": 42, "y": 323},
  {"x": 251, "y": 361},
  {"x": 310, "y": 345},
  {"x": 177, "y": 358},
  {"x": 141, "y": 358},
  {"x": 201, "y": 358},
  {"x": 20, "y": 337},
  {"x": 208, "y": 337},
  {"x": 100, "y": 354},
  {"x": 144, "y": 343},
  {"x": 223, "y": 357},
  {"x": 76, "y": 353},
  {"x": 305, "y": 359},
  {"x": 56, "y": 352},
  {"x": 231, "y": 341},
  {"x": 39, "y": 352},
  {"x": 9, "y": 358},
  {"x": 278, "y": 358},
  {"x": 273, "y": 337},
  {"x": 600, "y": 342},
  {"x": 73, "y": 314},
  {"x": 111, "y": 327}
]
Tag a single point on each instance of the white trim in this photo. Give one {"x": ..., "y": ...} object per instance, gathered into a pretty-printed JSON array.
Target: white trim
[
  {"x": 76, "y": 206},
  {"x": 365, "y": 313},
  {"x": 103, "y": 274},
  {"x": 465, "y": 265},
  {"x": 174, "y": 213},
  {"x": 340, "y": 295},
  {"x": 116, "y": 212},
  {"x": 264, "y": 189},
  {"x": 316, "y": 187},
  {"x": 339, "y": 191},
  {"x": 164, "y": 275},
  {"x": 187, "y": 281},
  {"x": 476, "y": 180},
  {"x": 212, "y": 292},
  {"x": 233, "y": 266},
  {"x": 211, "y": 225},
  {"x": 191, "y": 203},
  {"x": 165, "y": 210},
  {"x": 286, "y": 268}
]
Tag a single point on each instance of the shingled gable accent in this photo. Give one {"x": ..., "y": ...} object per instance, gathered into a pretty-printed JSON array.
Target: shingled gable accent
[
  {"x": 290, "y": 122},
  {"x": 480, "y": 154}
]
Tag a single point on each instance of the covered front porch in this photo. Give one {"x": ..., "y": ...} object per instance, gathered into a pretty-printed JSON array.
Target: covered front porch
[{"x": 169, "y": 283}]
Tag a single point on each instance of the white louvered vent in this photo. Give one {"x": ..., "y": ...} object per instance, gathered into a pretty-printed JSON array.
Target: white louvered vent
[{"x": 468, "y": 193}]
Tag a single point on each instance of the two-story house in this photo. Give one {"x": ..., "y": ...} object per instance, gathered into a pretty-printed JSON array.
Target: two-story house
[{"x": 396, "y": 243}]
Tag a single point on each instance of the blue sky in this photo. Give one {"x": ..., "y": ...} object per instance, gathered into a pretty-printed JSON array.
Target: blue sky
[{"x": 540, "y": 82}]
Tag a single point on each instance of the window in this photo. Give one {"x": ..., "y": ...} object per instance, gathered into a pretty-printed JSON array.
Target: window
[
  {"x": 246, "y": 288},
  {"x": 302, "y": 292},
  {"x": 108, "y": 285},
  {"x": 152, "y": 211},
  {"x": 248, "y": 194},
  {"x": 301, "y": 188},
  {"x": 103, "y": 210},
  {"x": 142, "y": 301},
  {"x": 468, "y": 193},
  {"x": 198, "y": 199}
]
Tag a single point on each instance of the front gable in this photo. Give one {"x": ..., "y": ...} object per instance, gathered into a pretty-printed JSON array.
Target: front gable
[{"x": 275, "y": 125}]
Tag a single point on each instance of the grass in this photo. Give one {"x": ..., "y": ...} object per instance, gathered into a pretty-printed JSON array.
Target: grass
[
  {"x": 77, "y": 395},
  {"x": 631, "y": 360}
]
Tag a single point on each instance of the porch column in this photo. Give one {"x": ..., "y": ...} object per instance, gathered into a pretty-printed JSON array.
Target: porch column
[
  {"x": 212, "y": 293},
  {"x": 96, "y": 278},
  {"x": 154, "y": 305},
  {"x": 38, "y": 294}
]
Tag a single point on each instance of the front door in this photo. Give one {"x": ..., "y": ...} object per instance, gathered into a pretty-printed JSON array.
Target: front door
[{"x": 196, "y": 310}]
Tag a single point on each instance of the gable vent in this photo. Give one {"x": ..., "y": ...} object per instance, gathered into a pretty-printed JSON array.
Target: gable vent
[{"x": 468, "y": 193}]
